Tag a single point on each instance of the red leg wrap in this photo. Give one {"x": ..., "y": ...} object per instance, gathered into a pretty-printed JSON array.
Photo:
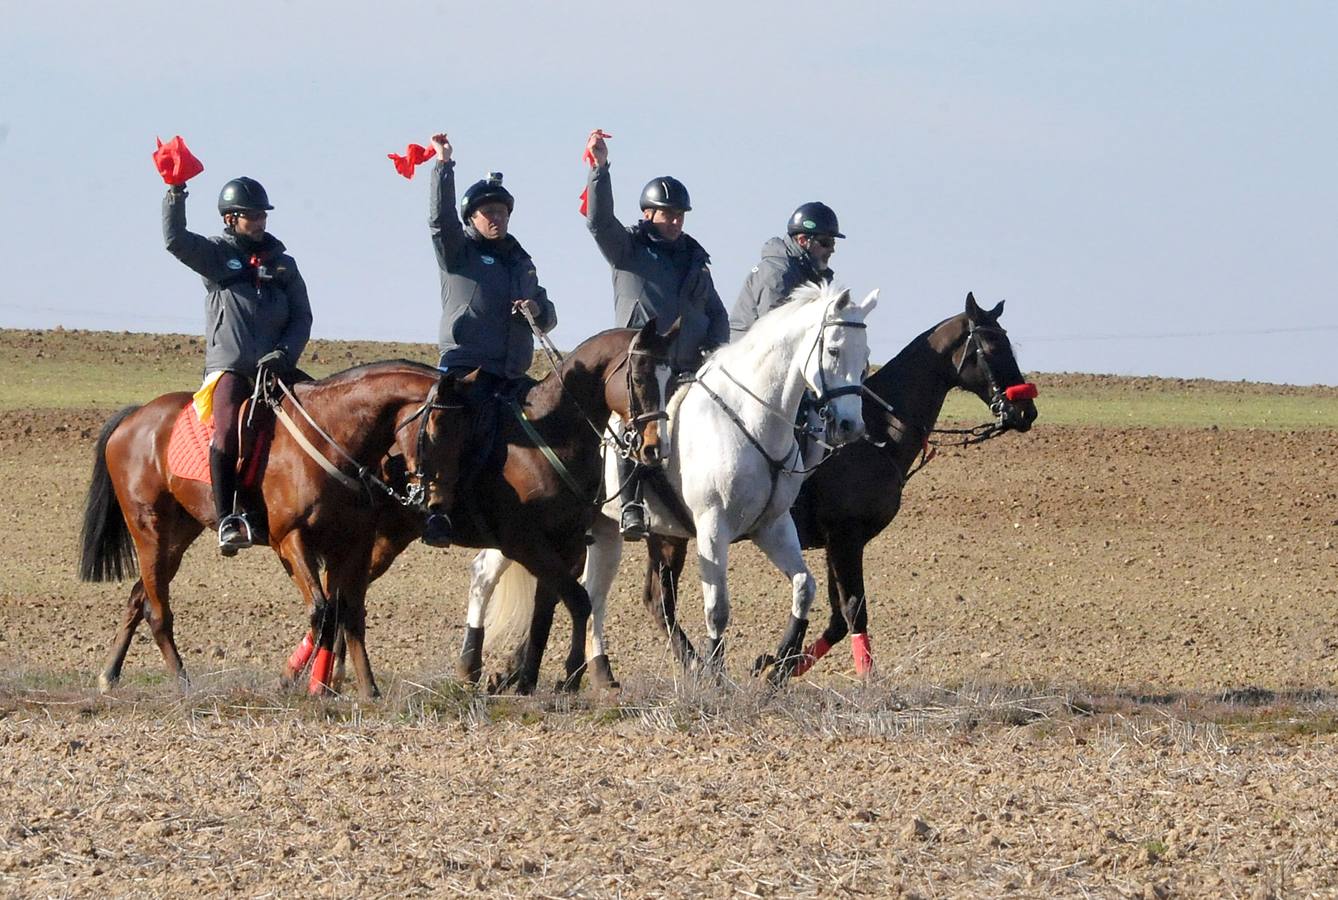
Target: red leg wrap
[
  {"x": 816, "y": 651},
  {"x": 320, "y": 672},
  {"x": 859, "y": 648},
  {"x": 298, "y": 661}
]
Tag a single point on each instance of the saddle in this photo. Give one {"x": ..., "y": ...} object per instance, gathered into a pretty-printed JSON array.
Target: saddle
[{"x": 188, "y": 447}]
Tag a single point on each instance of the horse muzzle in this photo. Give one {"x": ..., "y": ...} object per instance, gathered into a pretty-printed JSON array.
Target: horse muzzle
[{"x": 1016, "y": 408}]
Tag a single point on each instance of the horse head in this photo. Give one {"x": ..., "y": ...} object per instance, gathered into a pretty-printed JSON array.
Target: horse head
[
  {"x": 836, "y": 363},
  {"x": 641, "y": 398},
  {"x": 433, "y": 451},
  {"x": 984, "y": 364}
]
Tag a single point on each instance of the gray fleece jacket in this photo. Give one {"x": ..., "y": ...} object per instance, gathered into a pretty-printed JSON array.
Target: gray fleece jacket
[
  {"x": 480, "y": 280},
  {"x": 657, "y": 279},
  {"x": 784, "y": 266},
  {"x": 246, "y": 316}
]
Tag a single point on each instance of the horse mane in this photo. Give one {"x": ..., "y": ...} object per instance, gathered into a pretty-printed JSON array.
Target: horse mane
[{"x": 771, "y": 328}]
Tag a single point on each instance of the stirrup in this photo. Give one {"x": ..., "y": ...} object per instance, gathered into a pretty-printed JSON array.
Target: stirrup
[
  {"x": 632, "y": 522},
  {"x": 234, "y": 534}
]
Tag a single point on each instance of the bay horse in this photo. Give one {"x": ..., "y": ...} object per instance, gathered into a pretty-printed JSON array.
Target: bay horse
[
  {"x": 735, "y": 465},
  {"x": 320, "y": 511},
  {"x": 536, "y": 496},
  {"x": 856, "y": 493}
]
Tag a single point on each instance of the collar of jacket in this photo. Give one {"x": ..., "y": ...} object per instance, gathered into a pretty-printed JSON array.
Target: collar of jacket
[
  {"x": 643, "y": 232},
  {"x": 504, "y": 248},
  {"x": 268, "y": 246}
]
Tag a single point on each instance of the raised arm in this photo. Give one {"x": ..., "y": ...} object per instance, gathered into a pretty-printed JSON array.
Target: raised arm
[
  {"x": 448, "y": 234},
  {"x": 613, "y": 240},
  {"x": 196, "y": 251}
]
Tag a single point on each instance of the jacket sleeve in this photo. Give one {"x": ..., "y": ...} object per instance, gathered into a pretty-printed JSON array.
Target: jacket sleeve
[
  {"x": 448, "y": 234},
  {"x": 547, "y": 317},
  {"x": 196, "y": 251},
  {"x": 298, "y": 330},
  {"x": 770, "y": 287},
  {"x": 613, "y": 240},
  {"x": 717, "y": 328}
]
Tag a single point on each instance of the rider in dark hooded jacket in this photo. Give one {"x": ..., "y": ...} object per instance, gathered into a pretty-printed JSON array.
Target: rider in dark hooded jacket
[{"x": 787, "y": 262}]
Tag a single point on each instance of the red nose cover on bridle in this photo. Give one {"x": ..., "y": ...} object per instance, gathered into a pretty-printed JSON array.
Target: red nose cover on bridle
[
  {"x": 175, "y": 162},
  {"x": 1020, "y": 392},
  {"x": 414, "y": 155}
]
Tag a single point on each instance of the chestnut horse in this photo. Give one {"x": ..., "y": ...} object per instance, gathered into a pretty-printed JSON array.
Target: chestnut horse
[
  {"x": 535, "y": 496},
  {"x": 320, "y": 512},
  {"x": 856, "y": 493}
]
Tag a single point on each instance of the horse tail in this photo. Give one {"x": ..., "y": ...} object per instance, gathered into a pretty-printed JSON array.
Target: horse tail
[
  {"x": 108, "y": 553},
  {"x": 507, "y": 623}
]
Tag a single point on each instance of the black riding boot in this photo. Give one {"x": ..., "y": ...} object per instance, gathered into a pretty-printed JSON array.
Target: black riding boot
[
  {"x": 234, "y": 532},
  {"x": 632, "y": 524}
]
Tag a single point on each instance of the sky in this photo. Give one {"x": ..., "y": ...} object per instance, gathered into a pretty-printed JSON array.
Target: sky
[{"x": 1150, "y": 185}]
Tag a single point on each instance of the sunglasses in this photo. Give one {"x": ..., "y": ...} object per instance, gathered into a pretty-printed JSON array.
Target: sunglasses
[
  {"x": 253, "y": 214},
  {"x": 826, "y": 243}
]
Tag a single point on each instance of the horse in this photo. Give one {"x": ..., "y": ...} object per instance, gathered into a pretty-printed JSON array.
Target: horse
[
  {"x": 536, "y": 493},
  {"x": 139, "y": 515},
  {"x": 736, "y": 466},
  {"x": 857, "y": 492}
]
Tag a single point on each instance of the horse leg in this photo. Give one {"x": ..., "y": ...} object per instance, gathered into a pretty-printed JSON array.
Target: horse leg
[
  {"x": 350, "y": 579},
  {"x": 836, "y": 625},
  {"x": 301, "y": 566},
  {"x": 134, "y": 614},
  {"x": 845, "y": 559},
  {"x": 601, "y": 567},
  {"x": 713, "y": 561},
  {"x": 524, "y": 673},
  {"x": 779, "y": 541},
  {"x": 664, "y": 566},
  {"x": 577, "y": 601},
  {"x": 161, "y": 538},
  {"x": 485, "y": 571}
]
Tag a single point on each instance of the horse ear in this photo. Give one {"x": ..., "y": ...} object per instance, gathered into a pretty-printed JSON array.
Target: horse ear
[
  {"x": 972, "y": 310},
  {"x": 995, "y": 313},
  {"x": 673, "y": 331},
  {"x": 842, "y": 301},
  {"x": 869, "y": 302},
  {"x": 468, "y": 379},
  {"x": 648, "y": 332}
]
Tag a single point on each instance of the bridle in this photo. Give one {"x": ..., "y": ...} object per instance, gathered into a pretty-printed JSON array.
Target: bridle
[
  {"x": 633, "y": 436},
  {"x": 416, "y": 495}
]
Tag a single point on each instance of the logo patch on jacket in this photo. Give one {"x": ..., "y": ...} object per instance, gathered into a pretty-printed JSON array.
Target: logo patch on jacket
[
  {"x": 235, "y": 265},
  {"x": 653, "y": 254},
  {"x": 488, "y": 260}
]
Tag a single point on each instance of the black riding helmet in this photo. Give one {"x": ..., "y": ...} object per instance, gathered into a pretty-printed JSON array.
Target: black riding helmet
[
  {"x": 240, "y": 194},
  {"x": 485, "y": 191},
  {"x": 814, "y": 218},
  {"x": 665, "y": 192}
]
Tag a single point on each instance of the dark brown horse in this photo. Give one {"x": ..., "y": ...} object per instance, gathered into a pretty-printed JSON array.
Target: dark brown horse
[
  {"x": 139, "y": 514},
  {"x": 537, "y": 511},
  {"x": 856, "y": 493}
]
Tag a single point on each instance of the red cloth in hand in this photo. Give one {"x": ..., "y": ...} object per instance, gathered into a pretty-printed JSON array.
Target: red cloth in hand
[
  {"x": 414, "y": 155},
  {"x": 589, "y": 158},
  {"x": 175, "y": 162}
]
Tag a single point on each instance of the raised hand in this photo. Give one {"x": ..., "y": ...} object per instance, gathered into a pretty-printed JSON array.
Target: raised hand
[{"x": 443, "y": 146}]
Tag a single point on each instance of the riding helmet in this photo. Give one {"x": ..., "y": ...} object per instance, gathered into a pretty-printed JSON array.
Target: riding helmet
[
  {"x": 665, "y": 192},
  {"x": 488, "y": 190},
  {"x": 242, "y": 193},
  {"x": 814, "y": 218}
]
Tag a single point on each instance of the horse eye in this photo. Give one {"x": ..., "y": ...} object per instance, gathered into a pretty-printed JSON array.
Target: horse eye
[{"x": 833, "y": 352}]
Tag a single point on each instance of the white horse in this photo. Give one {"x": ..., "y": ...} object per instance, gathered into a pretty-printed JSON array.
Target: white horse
[{"x": 735, "y": 464}]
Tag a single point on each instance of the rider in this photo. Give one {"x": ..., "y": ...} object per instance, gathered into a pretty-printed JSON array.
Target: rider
[
  {"x": 488, "y": 284},
  {"x": 256, "y": 315},
  {"x": 660, "y": 273},
  {"x": 787, "y": 262}
]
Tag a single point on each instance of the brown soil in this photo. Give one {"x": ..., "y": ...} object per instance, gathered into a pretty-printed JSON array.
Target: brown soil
[{"x": 1107, "y": 661}]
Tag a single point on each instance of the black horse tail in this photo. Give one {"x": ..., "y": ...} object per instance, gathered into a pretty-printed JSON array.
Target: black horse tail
[{"x": 107, "y": 552}]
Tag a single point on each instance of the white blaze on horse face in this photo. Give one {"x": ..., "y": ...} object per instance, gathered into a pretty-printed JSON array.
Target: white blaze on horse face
[{"x": 844, "y": 359}]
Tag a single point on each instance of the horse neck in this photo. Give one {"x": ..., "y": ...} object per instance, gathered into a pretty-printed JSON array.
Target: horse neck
[
  {"x": 361, "y": 414},
  {"x": 915, "y": 384},
  {"x": 773, "y": 373},
  {"x": 575, "y": 393}
]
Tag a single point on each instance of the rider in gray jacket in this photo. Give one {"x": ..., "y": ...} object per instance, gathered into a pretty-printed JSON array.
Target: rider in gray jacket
[
  {"x": 660, "y": 273},
  {"x": 787, "y": 262},
  {"x": 488, "y": 285},
  {"x": 256, "y": 313}
]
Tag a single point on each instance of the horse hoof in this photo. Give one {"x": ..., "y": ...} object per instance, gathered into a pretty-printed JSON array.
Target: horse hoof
[
  {"x": 106, "y": 683},
  {"x": 469, "y": 672},
  {"x": 601, "y": 673},
  {"x": 762, "y": 663}
]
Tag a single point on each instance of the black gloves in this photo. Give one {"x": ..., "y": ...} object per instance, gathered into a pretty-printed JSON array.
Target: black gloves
[{"x": 275, "y": 361}]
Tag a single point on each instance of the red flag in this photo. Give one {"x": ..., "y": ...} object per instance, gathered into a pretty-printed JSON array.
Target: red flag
[
  {"x": 175, "y": 162},
  {"x": 589, "y": 158},
  {"x": 414, "y": 155}
]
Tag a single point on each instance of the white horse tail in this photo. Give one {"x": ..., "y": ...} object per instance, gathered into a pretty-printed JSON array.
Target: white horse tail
[{"x": 507, "y": 622}]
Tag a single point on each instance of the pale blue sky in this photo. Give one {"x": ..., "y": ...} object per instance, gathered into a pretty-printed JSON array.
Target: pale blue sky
[{"x": 1150, "y": 185}]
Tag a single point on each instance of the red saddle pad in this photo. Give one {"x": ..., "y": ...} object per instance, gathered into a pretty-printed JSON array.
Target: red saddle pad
[{"x": 188, "y": 448}]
